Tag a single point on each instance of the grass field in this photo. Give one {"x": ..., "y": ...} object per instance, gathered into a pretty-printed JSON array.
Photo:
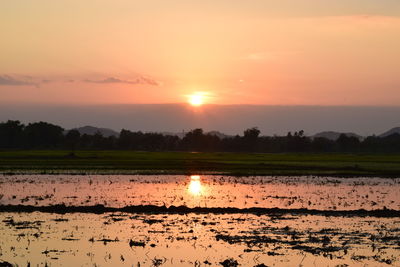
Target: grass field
[{"x": 189, "y": 163}]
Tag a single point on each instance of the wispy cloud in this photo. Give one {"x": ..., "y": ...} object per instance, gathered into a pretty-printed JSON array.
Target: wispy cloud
[
  {"x": 138, "y": 80},
  {"x": 25, "y": 80},
  {"x": 7, "y": 80}
]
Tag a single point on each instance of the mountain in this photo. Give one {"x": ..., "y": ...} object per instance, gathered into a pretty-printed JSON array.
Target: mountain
[
  {"x": 335, "y": 135},
  {"x": 90, "y": 130},
  {"x": 390, "y": 132}
]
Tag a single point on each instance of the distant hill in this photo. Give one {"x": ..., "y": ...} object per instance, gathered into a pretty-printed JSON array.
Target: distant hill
[
  {"x": 335, "y": 135},
  {"x": 90, "y": 130},
  {"x": 390, "y": 132}
]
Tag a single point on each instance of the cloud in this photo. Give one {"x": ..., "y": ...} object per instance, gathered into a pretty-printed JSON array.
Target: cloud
[
  {"x": 138, "y": 80},
  {"x": 7, "y": 80},
  {"x": 24, "y": 80}
]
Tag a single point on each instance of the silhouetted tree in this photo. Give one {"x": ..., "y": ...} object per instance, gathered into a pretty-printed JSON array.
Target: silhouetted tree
[
  {"x": 11, "y": 133},
  {"x": 43, "y": 135},
  {"x": 72, "y": 139},
  {"x": 372, "y": 144},
  {"x": 391, "y": 143},
  {"x": 297, "y": 142},
  {"x": 250, "y": 138},
  {"x": 322, "y": 144},
  {"x": 193, "y": 140},
  {"x": 125, "y": 139},
  {"x": 14, "y": 135},
  {"x": 348, "y": 143},
  {"x": 251, "y": 133}
]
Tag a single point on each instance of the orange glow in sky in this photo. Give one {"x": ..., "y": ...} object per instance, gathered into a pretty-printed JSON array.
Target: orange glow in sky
[
  {"x": 259, "y": 52},
  {"x": 196, "y": 99}
]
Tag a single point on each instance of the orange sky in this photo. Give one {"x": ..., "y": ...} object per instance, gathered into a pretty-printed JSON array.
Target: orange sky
[{"x": 236, "y": 52}]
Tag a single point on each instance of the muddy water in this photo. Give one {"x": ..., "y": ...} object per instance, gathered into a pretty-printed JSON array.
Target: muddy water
[
  {"x": 206, "y": 239},
  {"x": 204, "y": 191},
  {"x": 187, "y": 240}
]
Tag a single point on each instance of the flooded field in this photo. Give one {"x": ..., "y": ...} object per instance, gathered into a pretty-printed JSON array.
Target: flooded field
[
  {"x": 205, "y": 191},
  {"x": 157, "y": 220}
]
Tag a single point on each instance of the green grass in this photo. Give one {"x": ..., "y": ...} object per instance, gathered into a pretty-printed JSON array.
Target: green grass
[{"x": 184, "y": 162}]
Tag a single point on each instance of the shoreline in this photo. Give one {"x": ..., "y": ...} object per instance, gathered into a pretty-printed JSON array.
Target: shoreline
[{"x": 72, "y": 172}]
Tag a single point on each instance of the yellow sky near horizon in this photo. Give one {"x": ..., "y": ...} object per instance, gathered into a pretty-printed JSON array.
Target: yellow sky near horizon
[{"x": 237, "y": 52}]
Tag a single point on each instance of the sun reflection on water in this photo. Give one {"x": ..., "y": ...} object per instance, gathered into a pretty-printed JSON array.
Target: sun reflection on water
[{"x": 195, "y": 187}]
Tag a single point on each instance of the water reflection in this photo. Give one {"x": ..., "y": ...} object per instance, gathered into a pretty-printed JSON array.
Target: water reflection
[
  {"x": 195, "y": 187},
  {"x": 323, "y": 193},
  {"x": 88, "y": 239}
]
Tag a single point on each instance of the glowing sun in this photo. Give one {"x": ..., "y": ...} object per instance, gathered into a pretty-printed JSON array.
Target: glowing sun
[{"x": 196, "y": 99}]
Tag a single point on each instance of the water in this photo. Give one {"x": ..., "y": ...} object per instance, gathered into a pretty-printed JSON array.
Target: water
[
  {"x": 199, "y": 239},
  {"x": 204, "y": 191}
]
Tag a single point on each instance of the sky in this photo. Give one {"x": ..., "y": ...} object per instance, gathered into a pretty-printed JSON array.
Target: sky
[{"x": 257, "y": 52}]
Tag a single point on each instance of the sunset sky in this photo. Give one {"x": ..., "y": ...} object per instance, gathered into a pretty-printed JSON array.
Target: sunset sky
[{"x": 302, "y": 52}]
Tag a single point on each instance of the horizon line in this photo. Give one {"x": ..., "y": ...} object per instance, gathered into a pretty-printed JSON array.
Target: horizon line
[{"x": 188, "y": 105}]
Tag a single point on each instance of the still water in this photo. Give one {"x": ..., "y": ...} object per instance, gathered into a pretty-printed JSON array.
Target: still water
[
  {"x": 199, "y": 239},
  {"x": 202, "y": 191}
]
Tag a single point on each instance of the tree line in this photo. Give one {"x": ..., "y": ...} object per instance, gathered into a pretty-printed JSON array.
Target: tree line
[{"x": 43, "y": 135}]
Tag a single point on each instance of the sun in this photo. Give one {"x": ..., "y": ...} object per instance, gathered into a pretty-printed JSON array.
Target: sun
[{"x": 196, "y": 99}]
